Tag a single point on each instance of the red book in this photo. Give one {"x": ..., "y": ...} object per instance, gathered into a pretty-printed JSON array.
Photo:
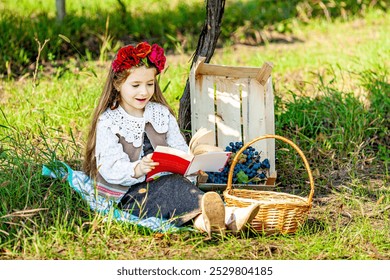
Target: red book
[{"x": 175, "y": 161}]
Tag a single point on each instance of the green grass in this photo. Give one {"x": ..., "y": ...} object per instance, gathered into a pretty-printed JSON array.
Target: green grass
[
  {"x": 96, "y": 29},
  {"x": 333, "y": 102}
]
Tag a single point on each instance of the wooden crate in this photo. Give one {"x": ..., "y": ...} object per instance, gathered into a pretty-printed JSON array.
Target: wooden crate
[{"x": 236, "y": 103}]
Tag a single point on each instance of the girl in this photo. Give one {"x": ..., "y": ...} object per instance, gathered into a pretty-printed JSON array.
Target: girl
[{"x": 131, "y": 119}]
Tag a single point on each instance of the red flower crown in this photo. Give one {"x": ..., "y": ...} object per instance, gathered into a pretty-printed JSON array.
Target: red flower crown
[{"x": 130, "y": 56}]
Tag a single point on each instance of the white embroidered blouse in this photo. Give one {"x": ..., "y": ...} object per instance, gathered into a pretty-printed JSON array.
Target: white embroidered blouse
[{"x": 112, "y": 162}]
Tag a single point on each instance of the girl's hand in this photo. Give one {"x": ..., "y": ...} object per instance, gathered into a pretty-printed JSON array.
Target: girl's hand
[{"x": 144, "y": 166}]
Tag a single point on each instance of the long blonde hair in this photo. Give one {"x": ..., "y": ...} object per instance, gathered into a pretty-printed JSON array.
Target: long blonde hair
[{"x": 109, "y": 99}]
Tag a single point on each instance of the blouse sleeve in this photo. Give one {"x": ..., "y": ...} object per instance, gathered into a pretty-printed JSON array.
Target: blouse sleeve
[
  {"x": 113, "y": 163},
  {"x": 174, "y": 137}
]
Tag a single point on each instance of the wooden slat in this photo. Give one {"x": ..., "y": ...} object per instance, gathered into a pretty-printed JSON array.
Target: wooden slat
[
  {"x": 270, "y": 123},
  {"x": 264, "y": 73},
  {"x": 202, "y": 105},
  {"x": 228, "y": 71},
  {"x": 260, "y": 74},
  {"x": 228, "y": 110},
  {"x": 256, "y": 117},
  {"x": 195, "y": 70}
]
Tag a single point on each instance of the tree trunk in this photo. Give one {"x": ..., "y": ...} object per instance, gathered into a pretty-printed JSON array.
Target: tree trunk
[
  {"x": 206, "y": 46},
  {"x": 61, "y": 11}
]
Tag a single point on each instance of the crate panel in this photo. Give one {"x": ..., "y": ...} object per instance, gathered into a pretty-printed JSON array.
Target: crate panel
[
  {"x": 203, "y": 101},
  {"x": 228, "y": 110},
  {"x": 236, "y": 103}
]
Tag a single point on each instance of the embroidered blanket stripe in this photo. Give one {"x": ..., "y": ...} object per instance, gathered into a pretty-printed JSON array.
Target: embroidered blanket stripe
[{"x": 84, "y": 185}]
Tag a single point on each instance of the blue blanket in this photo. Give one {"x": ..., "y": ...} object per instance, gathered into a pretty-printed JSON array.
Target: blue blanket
[{"x": 84, "y": 185}]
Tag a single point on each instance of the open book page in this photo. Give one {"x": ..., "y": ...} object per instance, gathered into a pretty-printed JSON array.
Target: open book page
[
  {"x": 210, "y": 162},
  {"x": 202, "y": 136},
  {"x": 202, "y": 142},
  {"x": 204, "y": 148}
]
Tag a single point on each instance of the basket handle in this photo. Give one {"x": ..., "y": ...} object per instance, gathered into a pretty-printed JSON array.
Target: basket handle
[{"x": 267, "y": 136}]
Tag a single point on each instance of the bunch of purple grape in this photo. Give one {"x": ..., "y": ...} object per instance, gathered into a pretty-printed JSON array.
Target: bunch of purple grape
[{"x": 248, "y": 170}]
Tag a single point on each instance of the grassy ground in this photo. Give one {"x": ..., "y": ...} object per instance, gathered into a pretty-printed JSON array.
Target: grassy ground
[{"x": 332, "y": 99}]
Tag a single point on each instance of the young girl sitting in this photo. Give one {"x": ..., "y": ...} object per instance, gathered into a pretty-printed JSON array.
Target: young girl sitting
[{"x": 130, "y": 120}]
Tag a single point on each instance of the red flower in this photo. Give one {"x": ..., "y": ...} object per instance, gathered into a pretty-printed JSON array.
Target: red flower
[
  {"x": 125, "y": 59},
  {"x": 143, "y": 49},
  {"x": 157, "y": 57},
  {"x": 130, "y": 56}
]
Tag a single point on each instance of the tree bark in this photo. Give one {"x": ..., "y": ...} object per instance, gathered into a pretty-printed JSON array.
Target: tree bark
[
  {"x": 61, "y": 11},
  {"x": 206, "y": 45}
]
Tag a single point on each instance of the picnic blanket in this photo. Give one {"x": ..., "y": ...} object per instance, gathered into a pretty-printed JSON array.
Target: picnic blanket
[{"x": 84, "y": 185}]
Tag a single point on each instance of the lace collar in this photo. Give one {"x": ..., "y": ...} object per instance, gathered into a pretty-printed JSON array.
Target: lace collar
[{"x": 132, "y": 128}]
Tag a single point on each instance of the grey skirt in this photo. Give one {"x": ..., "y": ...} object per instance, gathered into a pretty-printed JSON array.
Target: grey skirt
[{"x": 170, "y": 197}]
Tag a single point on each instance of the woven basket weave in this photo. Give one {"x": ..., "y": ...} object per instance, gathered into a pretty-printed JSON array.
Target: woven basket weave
[{"x": 279, "y": 212}]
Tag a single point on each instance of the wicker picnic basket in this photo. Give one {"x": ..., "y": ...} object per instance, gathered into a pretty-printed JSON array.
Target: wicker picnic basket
[{"x": 279, "y": 212}]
